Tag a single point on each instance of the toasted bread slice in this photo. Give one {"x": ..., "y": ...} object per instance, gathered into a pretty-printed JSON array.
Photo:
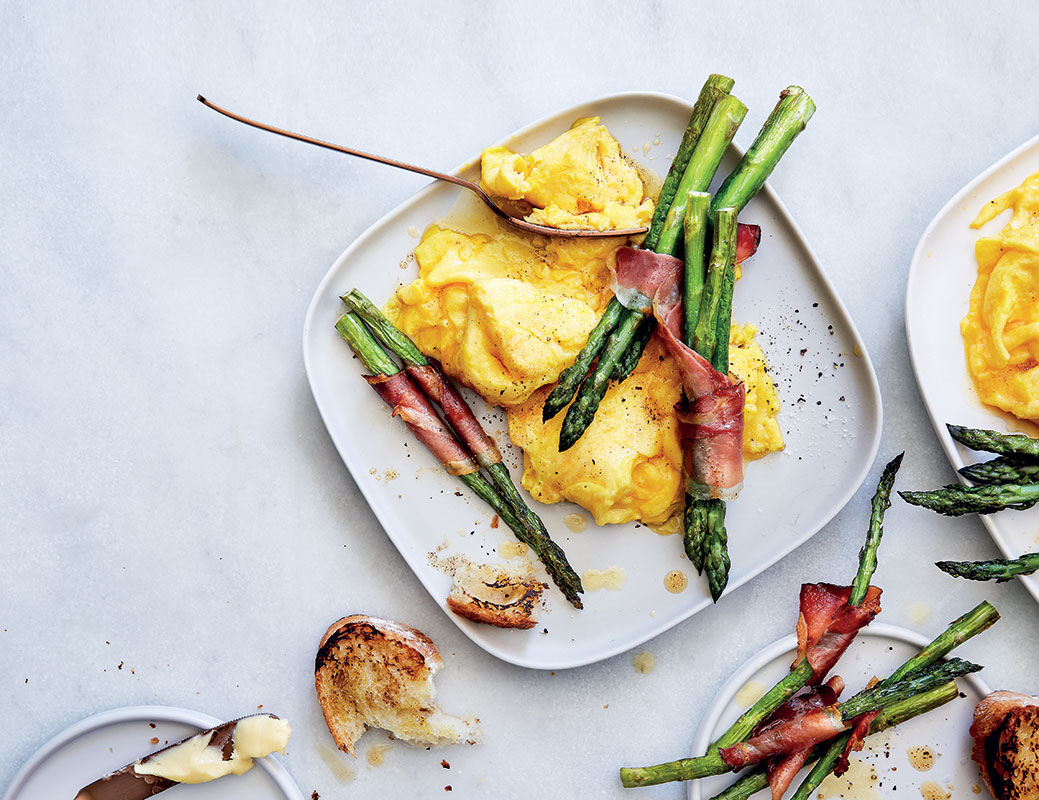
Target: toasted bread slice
[
  {"x": 372, "y": 672},
  {"x": 501, "y": 595},
  {"x": 1006, "y": 745}
]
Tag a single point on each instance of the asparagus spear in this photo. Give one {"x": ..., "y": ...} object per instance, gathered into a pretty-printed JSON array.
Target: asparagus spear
[
  {"x": 726, "y": 118},
  {"x": 630, "y": 359},
  {"x": 1000, "y": 570},
  {"x": 784, "y": 124},
  {"x": 706, "y": 539},
  {"x": 720, "y": 271},
  {"x": 582, "y": 411},
  {"x": 478, "y": 443},
  {"x": 570, "y": 379},
  {"x": 868, "y": 553},
  {"x": 1002, "y": 470},
  {"x": 695, "y": 230},
  {"x": 954, "y": 501},
  {"x": 1005, "y": 444},
  {"x": 903, "y": 687},
  {"x": 895, "y": 714},
  {"x": 715, "y": 88},
  {"x": 694, "y": 521}
]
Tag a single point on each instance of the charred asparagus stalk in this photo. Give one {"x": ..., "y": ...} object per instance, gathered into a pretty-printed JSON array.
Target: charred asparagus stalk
[
  {"x": 432, "y": 433},
  {"x": 955, "y": 501},
  {"x": 1005, "y": 444},
  {"x": 1002, "y": 470},
  {"x": 1000, "y": 570}
]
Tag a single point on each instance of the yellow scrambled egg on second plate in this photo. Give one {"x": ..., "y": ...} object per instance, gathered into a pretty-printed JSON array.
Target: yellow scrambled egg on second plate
[
  {"x": 506, "y": 312},
  {"x": 1001, "y": 329}
]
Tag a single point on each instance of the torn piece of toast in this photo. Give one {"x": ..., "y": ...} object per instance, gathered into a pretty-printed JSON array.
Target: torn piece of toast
[
  {"x": 1006, "y": 745},
  {"x": 372, "y": 672},
  {"x": 502, "y": 595}
]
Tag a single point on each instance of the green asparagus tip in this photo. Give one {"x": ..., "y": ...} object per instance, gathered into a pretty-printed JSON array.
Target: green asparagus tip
[{"x": 365, "y": 346}]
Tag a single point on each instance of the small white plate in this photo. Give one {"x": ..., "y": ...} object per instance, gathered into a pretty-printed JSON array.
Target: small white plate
[
  {"x": 941, "y": 277},
  {"x": 876, "y": 651},
  {"x": 107, "y": 741},
  {"x": 831, "y": 418}
]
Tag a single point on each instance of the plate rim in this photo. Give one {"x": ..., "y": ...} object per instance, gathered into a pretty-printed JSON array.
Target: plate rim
[
  {"x": 771, "y": 652},
  {"x": 948, "y": 444},
  {"x": 875, "y": 397},
  {"x": 139, "y": 713}
]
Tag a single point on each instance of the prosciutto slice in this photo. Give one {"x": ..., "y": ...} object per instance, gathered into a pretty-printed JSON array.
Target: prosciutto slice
[
  {"x": 712, "y": 418},
  {"x": 783, "y": 769},
  {"x": 411, "y": 405},
  {"x": 827, "y": 624},
  {"x": 459, "y": 416},
  {"x": 747, "y": 239},
  {"x": 858, "y": 734},
  {"x": 801, "y": 733}
]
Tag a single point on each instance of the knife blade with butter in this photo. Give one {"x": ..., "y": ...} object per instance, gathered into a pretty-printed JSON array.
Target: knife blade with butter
[{"x": 224, "y": 750}]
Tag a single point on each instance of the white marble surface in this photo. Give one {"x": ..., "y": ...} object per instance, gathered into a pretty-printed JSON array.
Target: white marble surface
[{"x": 175, "y": 526}]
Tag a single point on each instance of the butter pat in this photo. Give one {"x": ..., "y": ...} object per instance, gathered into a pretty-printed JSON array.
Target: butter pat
[{"x": 196, "y": 761}]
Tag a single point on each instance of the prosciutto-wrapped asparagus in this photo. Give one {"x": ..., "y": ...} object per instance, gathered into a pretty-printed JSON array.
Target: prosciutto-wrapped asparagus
[{"x": 409, "y": 403}]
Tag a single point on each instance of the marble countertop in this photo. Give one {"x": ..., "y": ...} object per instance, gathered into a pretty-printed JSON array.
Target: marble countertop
[{"x": 175, "y": 524}]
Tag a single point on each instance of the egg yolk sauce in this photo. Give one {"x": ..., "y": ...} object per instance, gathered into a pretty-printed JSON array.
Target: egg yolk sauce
[
  {"x": 1001, "y": 329},
  {"x": 579, "y": 180},
  {"x": 505, "y": 312}
]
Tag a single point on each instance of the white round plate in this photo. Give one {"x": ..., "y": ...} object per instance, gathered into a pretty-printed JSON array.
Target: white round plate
[
  {"x": 877, "y": 650},
  {"x": 107, "y": 741},
  {"x": 941, "y": 276}
]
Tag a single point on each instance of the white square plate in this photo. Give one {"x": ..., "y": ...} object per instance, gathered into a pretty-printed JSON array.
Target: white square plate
[
  {"x": 831, "y": 418},
  {"x": 941, "y": 276}
]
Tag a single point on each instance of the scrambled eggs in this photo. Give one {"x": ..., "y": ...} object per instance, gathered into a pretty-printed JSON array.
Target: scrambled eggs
[
  {"x": 505, "y": 313},
  {"x": 628, "y": 464},
  {"x": 761, "y": 433},
  {"x": 578, "y": 180},
  {"x": 1001, "y": 329}
]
